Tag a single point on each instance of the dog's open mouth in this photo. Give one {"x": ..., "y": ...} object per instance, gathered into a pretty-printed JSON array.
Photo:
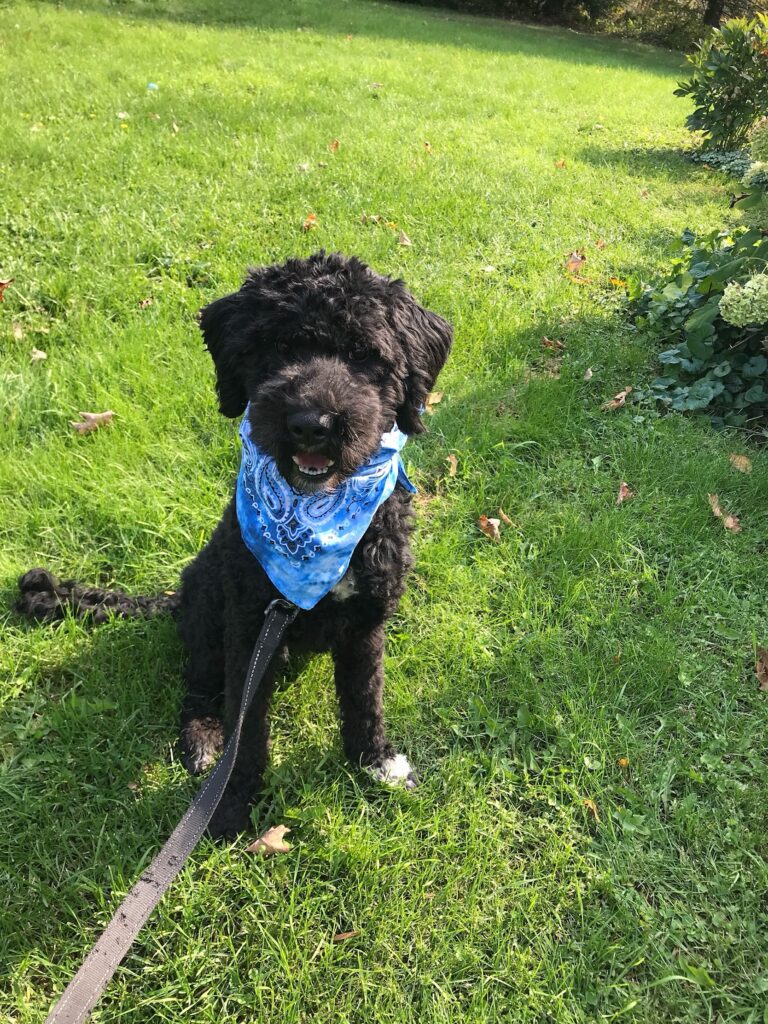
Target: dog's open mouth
[{"x": 310, "y": 464}]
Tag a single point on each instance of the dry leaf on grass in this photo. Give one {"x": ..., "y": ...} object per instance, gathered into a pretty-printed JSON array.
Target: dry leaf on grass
[
  {"x": 146, "y": 303},
  {"x": 575, "y": 261},
  {"x": 625, "y": 494},
  {"x": 592, "y": 808},
  {"x": 729, "y": 522},
  {"x": 553, "y": 343},
  {"x": 560, "y": 165},
  {"x": 37, "y": 356},
  {"x": 310, "y": 223},
  {"x": 404, "y": 239},
  {"x": 761, "y": 668},
  {"x": 5, "y": 284},
  {"x": 505, "y": 518},
  {"x": 334, "y": 146},
  {"x": 490, "y": 528},
  {"x": 644, "y": 193},
  {"x": 618, "y": 282},
  {"x": 92, "y": 421},
  {"x": 453, "y": 464},
  {"x": 618, "y": 400},
  {"x": 427, "y": 146},
  {"x": 270, "y": 842},
  {"x": 741, "y": 462},
  {"x": 433, "y": 398},
  {"x": 600, "y": 243},
  {"x": 588, "y": 374},
  {"x": 343, "y": 936}
]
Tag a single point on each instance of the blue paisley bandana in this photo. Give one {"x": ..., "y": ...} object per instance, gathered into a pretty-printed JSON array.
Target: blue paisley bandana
[{"x": 304, "y": 542}]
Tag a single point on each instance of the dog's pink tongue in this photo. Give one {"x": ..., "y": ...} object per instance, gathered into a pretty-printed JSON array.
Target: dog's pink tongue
[{"x": 309, "y": 461}]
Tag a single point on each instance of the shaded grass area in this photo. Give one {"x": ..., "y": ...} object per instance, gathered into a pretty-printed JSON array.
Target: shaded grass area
[{"x": 520, "y": 674}]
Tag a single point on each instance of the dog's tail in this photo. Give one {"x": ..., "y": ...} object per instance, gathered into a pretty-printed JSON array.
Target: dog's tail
[{"x": 45, "y": 598}]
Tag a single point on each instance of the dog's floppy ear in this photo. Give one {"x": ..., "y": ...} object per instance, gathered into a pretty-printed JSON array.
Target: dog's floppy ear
[
  {"x": 426, "y": 340},
  {"x": 222, "y": 324}
]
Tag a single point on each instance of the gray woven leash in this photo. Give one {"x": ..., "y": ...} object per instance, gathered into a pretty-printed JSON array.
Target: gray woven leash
[{"x": 85, "y": 989}]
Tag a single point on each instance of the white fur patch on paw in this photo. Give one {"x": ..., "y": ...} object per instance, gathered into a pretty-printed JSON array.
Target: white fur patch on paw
[{"x": 394, "y": 771}]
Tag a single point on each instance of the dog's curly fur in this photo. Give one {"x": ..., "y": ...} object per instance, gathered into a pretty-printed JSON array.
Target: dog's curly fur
[{"x": 329, "y": 354}]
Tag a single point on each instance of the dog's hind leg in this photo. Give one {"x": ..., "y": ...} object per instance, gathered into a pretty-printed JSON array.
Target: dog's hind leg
[{"x": 359, "y": 679}]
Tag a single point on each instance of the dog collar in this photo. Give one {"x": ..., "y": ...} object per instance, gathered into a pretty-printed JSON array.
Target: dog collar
[{"x": 305, "y": 542}]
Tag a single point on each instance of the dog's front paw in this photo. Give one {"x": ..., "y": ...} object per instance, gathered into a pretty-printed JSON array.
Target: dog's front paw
[
  {"x": 201, "y": 741},
  {"x": 395, "y": 771},
  {"x": 232, "y": 816}
]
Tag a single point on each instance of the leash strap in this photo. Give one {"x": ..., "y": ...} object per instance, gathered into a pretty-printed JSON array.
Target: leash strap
[{"x": 85, "y": 989}]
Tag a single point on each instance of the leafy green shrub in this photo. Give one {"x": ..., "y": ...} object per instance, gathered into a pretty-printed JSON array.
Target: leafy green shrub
[
  {"x": 713, "y": 361},
  {"x": 759, "y": 140},
  {"x": 729, "y": 84}
]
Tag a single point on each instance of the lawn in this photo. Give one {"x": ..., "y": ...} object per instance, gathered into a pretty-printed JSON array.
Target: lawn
[{"x": 589, "y": 841}]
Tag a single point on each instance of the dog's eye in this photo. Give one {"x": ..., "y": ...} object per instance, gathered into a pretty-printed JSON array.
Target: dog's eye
[{"x": 358, "y": 353}]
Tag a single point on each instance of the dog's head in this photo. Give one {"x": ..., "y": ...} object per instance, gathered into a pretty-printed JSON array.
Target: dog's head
[{"x": 330, "y": 355}]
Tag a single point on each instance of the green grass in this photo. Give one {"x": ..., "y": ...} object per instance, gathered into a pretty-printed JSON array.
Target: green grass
[{"x": 519, "y": 673}]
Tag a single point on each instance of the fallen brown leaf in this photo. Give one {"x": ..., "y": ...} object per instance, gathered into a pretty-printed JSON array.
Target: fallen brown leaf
[
  {"x": 92, "y": 421},
  {"x": 334, "y": 146},
  {"x": 310, "y": 223},
  {"x": 433, "y": 398},
  {"x": 618, "y": 400},
  {"x": 490, "y": 528},
  {"x": 644, "y": 193},
  {"x": 618, "y": 282},
  {"x": 740, "y": 462},
  {"x": 560, "y": 165},
  {"x": 761, "y": 668},
  {"x": 5, "y": 284},
  {"x": 624, "y": 493},
  {"x": 575, "y": 261},
  {"x": 553, "y": 343},
  {"x": 600, "y": 243},
  {"x": 505, "y": 518},
  {"x": 37, "y": 355},
  {"x": 729, "y": 522},
  {"x": 592, "y": 808},
  {"x": 453, "y": 464},
  {"x": 343, "y": 936},
  {"x": 270, "y": 842},
  {"x": 404, "y": 239},
  {"x": 146, "y": 303},
  {"x": 588, "y": 374}
]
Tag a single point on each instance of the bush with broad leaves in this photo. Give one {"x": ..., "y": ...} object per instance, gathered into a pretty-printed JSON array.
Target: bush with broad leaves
[
  {"x": 729, "y": 82},
  {"x": 711, "y": 312}
]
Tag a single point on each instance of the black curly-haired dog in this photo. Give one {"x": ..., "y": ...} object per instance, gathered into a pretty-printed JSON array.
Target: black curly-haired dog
[{"x": 330, "y": 355}]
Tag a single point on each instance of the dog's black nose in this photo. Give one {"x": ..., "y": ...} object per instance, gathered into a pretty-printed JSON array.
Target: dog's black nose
[{"x": 310, "y": 428}]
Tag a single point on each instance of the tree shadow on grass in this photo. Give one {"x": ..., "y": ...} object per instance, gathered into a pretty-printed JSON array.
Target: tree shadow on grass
[
  {"x": 396, "y": 22},
  {"x": 646, "y": 162}
]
